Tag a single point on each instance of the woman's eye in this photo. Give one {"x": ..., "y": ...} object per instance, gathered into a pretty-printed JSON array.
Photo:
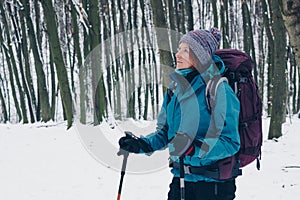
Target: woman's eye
[{"x": 183, "y": 50}]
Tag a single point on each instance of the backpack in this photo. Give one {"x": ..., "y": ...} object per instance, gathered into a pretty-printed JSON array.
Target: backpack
[{"x": 238, "y": 74}]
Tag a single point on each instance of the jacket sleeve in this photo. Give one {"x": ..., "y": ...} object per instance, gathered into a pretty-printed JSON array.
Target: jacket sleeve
[
  {"x": 158, "y": 140},
  {"x": 222, "y": 136}
]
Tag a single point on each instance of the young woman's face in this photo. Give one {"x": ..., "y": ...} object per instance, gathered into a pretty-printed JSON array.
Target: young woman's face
[{"x": 183, "y": 57}]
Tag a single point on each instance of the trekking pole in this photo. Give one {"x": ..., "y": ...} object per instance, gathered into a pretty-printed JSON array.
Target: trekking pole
[
  {"x": 181, "y": 169},
  {"x": 125, "y": 154}
]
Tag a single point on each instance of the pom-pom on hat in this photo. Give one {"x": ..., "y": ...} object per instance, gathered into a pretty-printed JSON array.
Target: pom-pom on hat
[{"x": 203, "y": 43}]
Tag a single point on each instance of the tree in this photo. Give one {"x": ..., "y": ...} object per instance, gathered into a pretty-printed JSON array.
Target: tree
[
  {"x": 76, "y": 39},
  {"x": 291, "y": 15},
  {"x": 58, "y": 60},
  {"x": 125, "y": 44},
  {"x": 189, "y": 13},
  {"x": 11, "y": 63},
  {"x": 28, "y": 78},
  {"x": 43, "y": 96},
  {"x": 19, "y": 51},
  {"x": 116, "y": 66},
  {"x": 42, "y": 52},
  {"x": 3, "y": 107},
  {"x": 97, "y": 74},
  {"x": 279, "y": 80},
  {"x": 225, "y": 24},
  {"x": 165, "y": 55},
  {"x": 248, "y": 35}
]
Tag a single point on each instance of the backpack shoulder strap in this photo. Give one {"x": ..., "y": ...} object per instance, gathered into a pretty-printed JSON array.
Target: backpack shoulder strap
[
  {"x": 170, "y": 91},
  {"x": 211, "y": 90}
]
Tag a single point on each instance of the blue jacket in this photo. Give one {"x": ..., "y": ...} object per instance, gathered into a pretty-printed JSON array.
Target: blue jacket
[{"x": 186, "y": 110}]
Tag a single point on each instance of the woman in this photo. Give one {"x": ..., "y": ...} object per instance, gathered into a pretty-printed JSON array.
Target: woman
[{"x": 186, "y": 125}]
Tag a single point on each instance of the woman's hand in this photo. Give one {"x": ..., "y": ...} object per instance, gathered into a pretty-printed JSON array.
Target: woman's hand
[{"x": 134, "y": 144}]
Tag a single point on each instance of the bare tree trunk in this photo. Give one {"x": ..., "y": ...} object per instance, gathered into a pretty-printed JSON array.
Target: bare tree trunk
[
  {"x": 106, "y": 29},
  {"x": 279, "y": 78},
  {"x": 291, "y": 16},
  {"x": 97, "y": 75},
  {"x": 292, "y": 81},
  {"x": 11, "y": 80},
  {"x": 248, "y": 36},
  {"x": 225, "y": 23},
  {"x": 5, "y": 83},
  {"x": 295, "y": 94},
  {"x": 58, "y": 60},
  {"x": 142, "y": 68},
  {"x": 298, "y": 95},
  {"x": 189, "y": 13},
  {"x": 178, "y": 14},
  {"x": 130, "y": 67},
  {"x": 23, "y": 86},
  {"x": 13, "y": 66},
  {"x": 139, "y": 39},
  {"x": 43, "y": 96},
  {"x": 165, "y": 55},
  {"x": 3, "y": 107},
  {"x": 53, "y": 87},
  {"x": 270, "y": 54},
  {"x": 171, "y": 15},
  {"x": 28, "y": 77},
  {"x": 125, "y": 56},
  {"x": 232, "y": 18},
  {"x": 38, "y": 24},
  {"x": 215, "y": 13},
  {"x": 261, "y": 54},
  {"x": 2, "y": 99},
  {"x": 82, "y": 74},
  {"x": 116, "y": 68},
  {"x": 86, "y": 49}
]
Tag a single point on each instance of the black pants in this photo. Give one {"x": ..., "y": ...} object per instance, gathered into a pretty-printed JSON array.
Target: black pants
[{"x": 203, "y": 190}]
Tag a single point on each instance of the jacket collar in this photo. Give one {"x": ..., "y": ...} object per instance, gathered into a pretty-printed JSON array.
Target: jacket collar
[{"x": 186, "y": 85}]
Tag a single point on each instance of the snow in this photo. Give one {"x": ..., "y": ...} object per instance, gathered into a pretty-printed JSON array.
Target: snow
[{"x": 47, "y": 161}]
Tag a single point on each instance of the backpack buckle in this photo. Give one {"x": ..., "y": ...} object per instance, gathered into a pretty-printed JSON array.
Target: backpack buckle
[
  {"x": 186, "y": 169},
  {"x": 243, "y": 80},
  {"x": 231, "y": 75},
  {"x": 244, "y": 125}
]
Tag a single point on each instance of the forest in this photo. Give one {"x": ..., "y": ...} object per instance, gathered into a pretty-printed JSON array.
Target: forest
[{"x": 95, "y": 60}]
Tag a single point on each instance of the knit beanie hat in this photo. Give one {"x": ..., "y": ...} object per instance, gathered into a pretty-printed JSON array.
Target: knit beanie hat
[{"x": 203, "y": 43}]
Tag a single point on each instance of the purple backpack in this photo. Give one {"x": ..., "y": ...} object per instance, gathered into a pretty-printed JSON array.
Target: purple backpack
[{"x": 238, "y": 74}]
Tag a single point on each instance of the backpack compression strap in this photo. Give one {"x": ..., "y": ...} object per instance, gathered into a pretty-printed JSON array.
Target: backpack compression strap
[{"x": 211, "y": 90}]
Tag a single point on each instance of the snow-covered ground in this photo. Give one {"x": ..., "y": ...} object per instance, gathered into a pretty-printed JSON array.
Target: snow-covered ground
[{"x": 47, "y": 162}]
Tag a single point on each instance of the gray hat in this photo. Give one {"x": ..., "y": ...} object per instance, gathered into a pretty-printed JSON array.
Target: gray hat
[{"x": 203, "y": 43}]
